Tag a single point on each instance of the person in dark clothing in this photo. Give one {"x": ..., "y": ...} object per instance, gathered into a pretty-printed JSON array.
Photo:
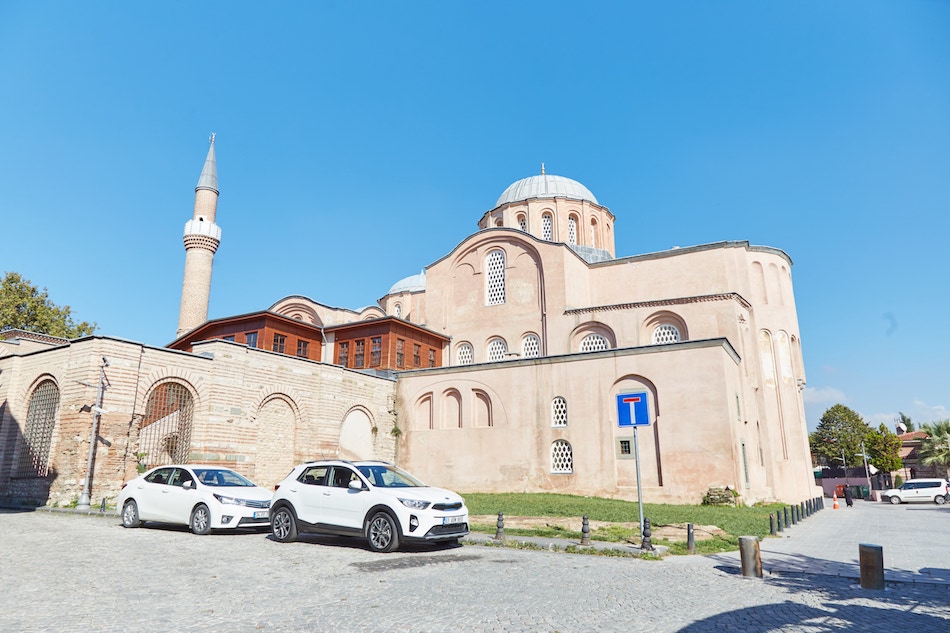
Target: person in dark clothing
[{"x": 848, "y": 496}]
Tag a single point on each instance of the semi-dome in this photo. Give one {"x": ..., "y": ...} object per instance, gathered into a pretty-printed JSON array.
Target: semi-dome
[
  {"x": 413, "y": 283},
  {"x": 545, "y": 186}
]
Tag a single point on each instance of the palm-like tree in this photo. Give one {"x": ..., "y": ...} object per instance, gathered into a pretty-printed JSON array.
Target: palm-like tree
[{"x": 935, "y": 448}]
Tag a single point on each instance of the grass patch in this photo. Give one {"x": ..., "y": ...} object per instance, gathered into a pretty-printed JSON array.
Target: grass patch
[{"x": 735, "y": 521}]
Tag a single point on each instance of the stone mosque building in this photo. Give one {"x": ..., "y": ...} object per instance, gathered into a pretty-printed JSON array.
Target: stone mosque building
[{"x": 529, "y": 358}]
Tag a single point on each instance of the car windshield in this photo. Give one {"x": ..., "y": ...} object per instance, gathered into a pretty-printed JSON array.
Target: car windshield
[
  {"x": 384, "y": 476},
  {"x": 221, "y": 478}
]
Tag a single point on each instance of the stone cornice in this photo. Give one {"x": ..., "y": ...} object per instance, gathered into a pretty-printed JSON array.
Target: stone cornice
[{"x": 725, "y": 296}]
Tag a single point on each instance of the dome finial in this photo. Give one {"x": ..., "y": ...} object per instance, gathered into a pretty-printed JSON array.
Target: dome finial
[
  {"x": 212, "y": 138},
  {"x": 542, "y": 169}
]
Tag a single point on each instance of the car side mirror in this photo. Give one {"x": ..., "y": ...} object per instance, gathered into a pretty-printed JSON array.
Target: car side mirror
[
  {"x": 188, "y": 485},
  {"x": 356, "y": 484}
]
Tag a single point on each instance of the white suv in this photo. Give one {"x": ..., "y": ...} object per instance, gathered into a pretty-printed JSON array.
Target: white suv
[
  {"x": 373, "y": 500},
  {"x": 935, "y": 490}
]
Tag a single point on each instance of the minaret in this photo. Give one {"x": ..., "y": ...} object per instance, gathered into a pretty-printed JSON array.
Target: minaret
[{"x": 202, "y": 237}]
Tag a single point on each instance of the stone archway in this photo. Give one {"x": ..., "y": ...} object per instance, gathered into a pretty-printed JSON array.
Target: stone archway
[
  {"x": 276, "y": 427},
  {"x": 356, "y": 436}
]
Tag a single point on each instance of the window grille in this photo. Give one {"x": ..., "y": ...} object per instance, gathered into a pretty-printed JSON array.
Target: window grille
[
  {"x": 358, "y": 353},
  {"x": 400, "y": 352},
  {"x": 530, "y": 346},
  {"x": 497, "y": 348},
  {"x": 562, "y": 457},
  {"x": 465, "y": 354},
  {"x": 40, "y": 419},
  {"x": 523, "y": 223},
  {"x": 666, "y": 333},
  {"x": 496, "y": 278},
  {"x": 594, "y": 343},
  {"x": 547, "y": 227},
  {"x": 375, "y": 350},
  {"x": 559, "y": 412},
  {"x": 398, "y": 310},
  {"x": 571, "y": 231},
  {"x": 303, "y": 349},
  {"x": 165, "y": 431},
  {"x": 344, "y": 356},
  {"x": 279, "y": 342}
]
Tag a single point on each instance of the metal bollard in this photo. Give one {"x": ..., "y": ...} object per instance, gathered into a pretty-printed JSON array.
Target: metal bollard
[
  {"x": 102, "y": 506},
  {"x": 794, "y": 515},
  {"x": 750, "y": 556},
  {"x": 778, "y": 519},
  {"x": 690, "y": 539},
  {"x": 500, "y": 527},
  {"x": 785, "y": 512},
  {"x": 585, "y": 531},
  {"x": 872, "y": 566},
  {"x": 801, "y": 510},
  {"x": 772, "y": 529},
  {"x": 646, "y": 543}
]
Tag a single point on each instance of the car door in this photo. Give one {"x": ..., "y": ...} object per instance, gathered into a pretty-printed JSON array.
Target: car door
[
  {"x": 306, "y": 493},
  {"x": 343, "y": 506},
  {"x": 177, "y": 499},
  {"x": 149, "y": 492}
]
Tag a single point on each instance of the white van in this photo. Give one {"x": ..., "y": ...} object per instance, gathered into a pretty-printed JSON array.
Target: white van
[{"x": 935, "y": 490}]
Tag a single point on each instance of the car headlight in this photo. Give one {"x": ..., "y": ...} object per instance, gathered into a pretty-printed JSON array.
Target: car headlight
[
  {"x": 229, "y": 501},
  {"x": 415, "y": 504}
]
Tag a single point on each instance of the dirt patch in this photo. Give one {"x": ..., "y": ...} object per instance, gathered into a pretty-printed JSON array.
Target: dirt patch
[{"x": 674, "y": 532}]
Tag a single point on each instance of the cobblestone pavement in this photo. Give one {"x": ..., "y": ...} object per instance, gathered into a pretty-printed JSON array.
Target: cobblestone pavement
[{"x": 64, "y": 572}]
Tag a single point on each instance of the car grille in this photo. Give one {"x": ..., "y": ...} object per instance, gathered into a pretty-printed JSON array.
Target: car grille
[
  {"x": 250, "y": 503},
  {"x": 252, "y": 521},
  {"x": 447, "y": 506},
  {"x": 451, "y": 528}
]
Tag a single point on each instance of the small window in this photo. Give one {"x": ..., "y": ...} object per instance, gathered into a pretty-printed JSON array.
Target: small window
[
  {"x": 229, "y": 338},
  {"x": 625, "y": 447},
  {"x": 547, "y": 227},
  {"x": 572, "y": 230},
  {"x": 251, "y": 339},
  {"x": 358, "y": 353},
  {"x": 465, "y": 354},
  {"x": 530, "y": 346},
  {"x": 416, "y": 355},
  {"x": 303, "y": 349},
  {"x": 495, "y": 289},
  {"x": 562, "y": 457},
  {"x": 280, "y": 342},
  {"x": 666, "y": 333},
  {"x": 497, "y": 348},
  {"x": 559, "y": 412},
  {"x": 344, "y": 354},
  {"x": 398, "y": 310},
  {"x": 523, "y": 223},
  {"x": 431, "y": 358},
  {"x": 594, "y": 343},
  {"x": 400, "y": 352},
  {"x": 375, "y": 351}
]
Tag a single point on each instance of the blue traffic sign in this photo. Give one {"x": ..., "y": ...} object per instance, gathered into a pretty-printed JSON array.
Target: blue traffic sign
[{"x": 632, "y": 409}]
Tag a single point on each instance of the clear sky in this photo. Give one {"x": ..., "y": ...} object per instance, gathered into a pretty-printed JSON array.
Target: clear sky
[{"x": 358, "y": 142}]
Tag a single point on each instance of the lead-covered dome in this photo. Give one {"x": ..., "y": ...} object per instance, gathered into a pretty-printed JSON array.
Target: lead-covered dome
[
  {"x": 413, "y": 283},
  {"x": 545, "y": 186}
]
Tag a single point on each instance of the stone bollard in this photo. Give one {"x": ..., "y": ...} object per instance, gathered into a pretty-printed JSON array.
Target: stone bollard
[
  {"x": 772, "y": 529},
  {"x": 500, "y": 527},
  {"x": 585, "y": 531},
  {"x": 785, "y": 512},
  {"x": 646, "y": 543},
  {"x": 690, "y": 539},
  {"x": 872, "y": 566},
  {"x": 750, "y": 556}
]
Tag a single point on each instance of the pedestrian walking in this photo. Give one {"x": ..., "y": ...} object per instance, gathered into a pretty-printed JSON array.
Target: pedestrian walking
[{"x": 848, "y": 496}]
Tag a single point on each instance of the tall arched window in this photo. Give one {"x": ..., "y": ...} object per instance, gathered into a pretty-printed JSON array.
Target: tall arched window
[
  {"x": 547, "y": 227},
  {"x": 495, "y": 290},
  {"x": 594, "y": 343},
  {"x": 559, "y": 412},
  {"x": 572, "y": 230},
  {"x": 530, "y": 346},
  {"x": 562, "y": 457},
  {"x": 666, "y": 333},
  {"x": 40, "y": 419},
  {"x": 397, "y": 311},
  {"x": 464, "y": 354},
  {"x": 497, "y": 348},
  {"x": 523, "y": 223},
  {"x": 165, "y": 432},
  {"x": 593, "y": 232}
]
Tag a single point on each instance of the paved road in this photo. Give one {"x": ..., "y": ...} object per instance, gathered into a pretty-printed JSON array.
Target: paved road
[{"x": 65, "y": 572}]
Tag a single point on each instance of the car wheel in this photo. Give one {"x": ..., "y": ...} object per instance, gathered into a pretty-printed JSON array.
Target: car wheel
[
  {"x": 200, "y": 520},
  {"x": 896, "y": 501},
  {"x": 940, "y": 500},
  {"x": 382, "y": 534},
  {"x": 283, "y": 525},
  {"x": 130, "y": 515}
]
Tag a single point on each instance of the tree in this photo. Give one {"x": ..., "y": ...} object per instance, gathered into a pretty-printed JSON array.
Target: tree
[
  {"x": 905, "y": 420},
  {"x": 883, "y": 448},
  {"x": 934, "y": 449},
  {"x": 840, "y": 429},
  {"x": 24, "y": 307}
]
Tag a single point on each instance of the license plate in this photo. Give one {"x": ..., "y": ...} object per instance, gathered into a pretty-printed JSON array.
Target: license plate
[
  {"x": 448, "y": 520},
  {"x": 260, "y": 515}
]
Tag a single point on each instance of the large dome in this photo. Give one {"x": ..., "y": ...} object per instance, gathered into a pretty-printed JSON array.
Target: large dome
[
  {"x": 413, "y": 283},
  {"x": 545, "y": 186}
]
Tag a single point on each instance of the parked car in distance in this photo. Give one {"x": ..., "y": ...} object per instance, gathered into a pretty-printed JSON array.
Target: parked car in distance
[
  {"x": 202, "y": 497},
  {"x": 368, "y": 499},
  {"x": 935, "y": 490}
]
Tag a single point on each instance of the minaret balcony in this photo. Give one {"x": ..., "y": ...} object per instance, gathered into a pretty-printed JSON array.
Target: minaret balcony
[{"x": 203, "y": 228}]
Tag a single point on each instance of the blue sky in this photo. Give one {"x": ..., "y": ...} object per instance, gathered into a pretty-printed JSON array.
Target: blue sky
[{"x": 360, "y": 141}]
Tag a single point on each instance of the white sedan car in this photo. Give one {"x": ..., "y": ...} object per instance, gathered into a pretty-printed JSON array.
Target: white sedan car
[{"x": 201, "y": 497}]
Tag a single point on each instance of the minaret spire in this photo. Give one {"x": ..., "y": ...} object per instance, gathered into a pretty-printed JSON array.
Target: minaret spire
[{"x": 202, "y": 237}]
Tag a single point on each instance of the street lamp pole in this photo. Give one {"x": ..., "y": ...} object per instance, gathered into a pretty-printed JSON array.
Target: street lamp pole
[
  {"x": 867, "y": 471},
  {"x": 97, "y": 411}
]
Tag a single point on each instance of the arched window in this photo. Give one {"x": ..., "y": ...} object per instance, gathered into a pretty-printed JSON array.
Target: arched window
[
  {"x": 593, "y": 232},
  {"x": 666, "y": 333},
  {"x": 530, "y": 346},
  {"x": 572, "y": 230},
  {"x": 495, "y": 290},
  {"x": 499, "y": 222},
  {"x": 547, "y": 227},
  {"x": 165, "y": 432},
  {"x": 464, "y": 354},
  {"x": 40, "y": 419},
  {"x": 559, "y": 412},
  {"x": 397, "y": 311},
  {"x": 523, "y": 223},
  {"x": 497, "y": 348},
  {"x": 594, "y": 343},
  {"x": 562, "y": 457}
]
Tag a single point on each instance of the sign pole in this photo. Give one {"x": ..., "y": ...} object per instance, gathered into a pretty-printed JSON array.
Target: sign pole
[
  {"x": 633, "y": 411},
  {"x": 636, "y": 456}
]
